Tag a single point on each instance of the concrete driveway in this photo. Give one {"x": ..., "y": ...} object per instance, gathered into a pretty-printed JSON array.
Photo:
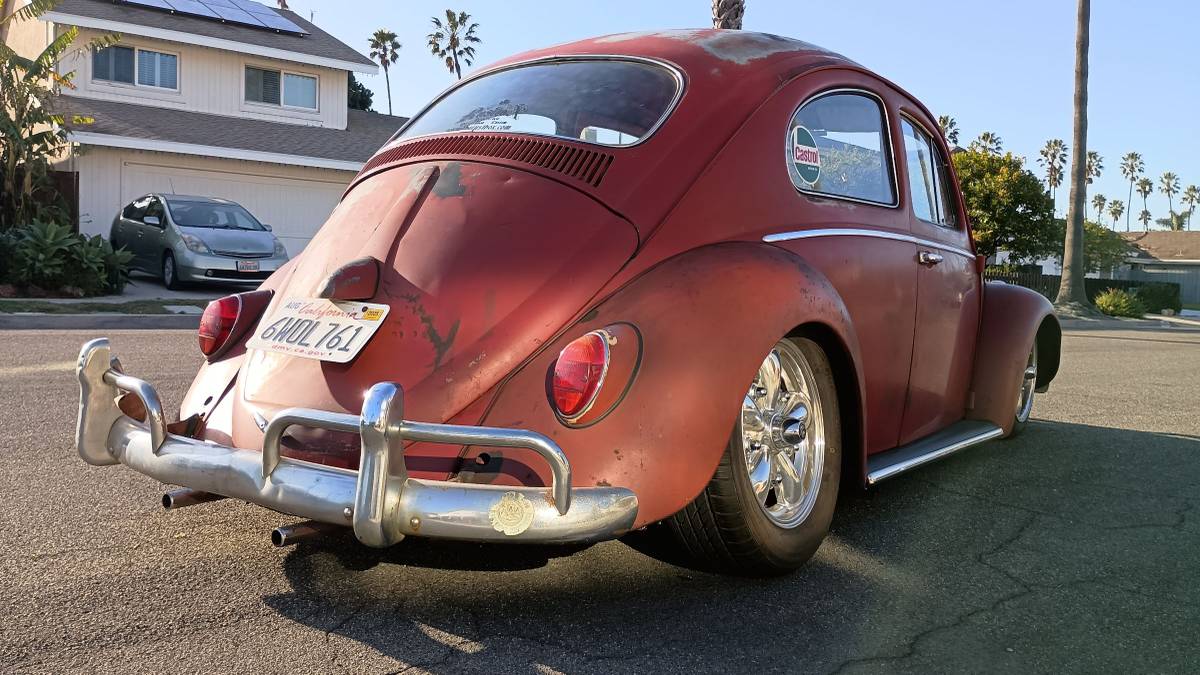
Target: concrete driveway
[{"x": 1074, "y": 548}]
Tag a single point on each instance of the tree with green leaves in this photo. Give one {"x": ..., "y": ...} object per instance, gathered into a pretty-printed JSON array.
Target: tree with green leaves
[
  {"x": 1095, "y": 166},
  {"x": 1132, "y": 167},
  {"x": 1103, "y": 249},
  {"x": 1116, "y": 209},
  {"x": 1008, "y": 207},
  {"x": 1174, "y": 221},
  {"x": 454, "y": 41},
  {"x": 358, "y": 96},
  {"x": 1169, "y": 184},
  {"x": 728, "y": 13},
  {"x": 1072, "y": 296},
  {"x": 1191, "y": 197},
  {"x": 1098, "y": 202},
  {"x": 987, "y": 142},
  {"x": 949, "y": 128},
  {"x": 385, "y": 49},
  {"x": 1144, "y": 218},
  {"x": 1145, "y": 188},
  {"x": 1052, "y": 157}
]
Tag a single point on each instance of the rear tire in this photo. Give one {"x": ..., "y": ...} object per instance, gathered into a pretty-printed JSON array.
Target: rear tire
[
  {"x": 758, "y": 521},
  {"x": 170, "y": 273},
  {"x": 1026, "y": 393}
]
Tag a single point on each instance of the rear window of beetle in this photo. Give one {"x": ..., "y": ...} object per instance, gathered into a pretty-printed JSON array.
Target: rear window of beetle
[{"x": 606, "y": 102}]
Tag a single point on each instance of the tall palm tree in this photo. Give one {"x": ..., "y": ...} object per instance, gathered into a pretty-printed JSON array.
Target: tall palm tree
[
  {"x": 454, "y": 40},
  {"x": 1132, "y": 167},
  {"x": 1191, "y": 197},
  {"x": 1169, "y": 184},
  {"x": 1053, "y": 156},
  {"x": 1071, "y": 292},
  {"x": 949, "y": 128},
  {"x": 385, "y": 49},
  {"x": 987, "y": 142},
  {"x": 1144, "y": 219},
  {"x": 1098, "y": 202},
  {"x": 1116, "y": 208},
  {"x": 1145, "y": 188},
  {"x": 728, "y": 13},
  {"x": 1095, "y": 166}
]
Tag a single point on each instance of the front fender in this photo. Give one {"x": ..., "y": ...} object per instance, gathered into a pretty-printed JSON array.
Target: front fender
[
  {"x": 1013, "y": 317},
  {"x": 707, "y": 318}
]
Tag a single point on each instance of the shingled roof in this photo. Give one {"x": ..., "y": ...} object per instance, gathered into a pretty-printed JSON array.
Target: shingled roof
[
  {"x": 1165, "y": 246},
  {"x": 317, "y": 43},
  {"x": 365, "y": 132}
]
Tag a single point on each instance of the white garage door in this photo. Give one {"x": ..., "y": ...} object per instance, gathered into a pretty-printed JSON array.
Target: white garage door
[{"x": 293, "y": 207}]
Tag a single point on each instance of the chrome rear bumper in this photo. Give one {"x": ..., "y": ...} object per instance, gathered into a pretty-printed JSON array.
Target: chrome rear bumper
[{"x": 379, "y": 501}]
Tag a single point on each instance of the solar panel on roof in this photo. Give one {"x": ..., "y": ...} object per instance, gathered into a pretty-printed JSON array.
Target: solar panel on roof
[{"x": 241, "y": 12}]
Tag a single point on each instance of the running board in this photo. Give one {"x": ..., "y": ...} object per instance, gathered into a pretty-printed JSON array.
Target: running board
[{"x": 933, "y": 447}]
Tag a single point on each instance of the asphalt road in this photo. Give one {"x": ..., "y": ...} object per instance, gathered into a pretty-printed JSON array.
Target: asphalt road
[{"x": 1075, "y": 548}]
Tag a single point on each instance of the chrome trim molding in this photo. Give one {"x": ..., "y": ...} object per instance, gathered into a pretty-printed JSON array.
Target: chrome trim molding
[
  {"x": 680, "y": 85},
  {"x": 890, "y": 470},
  {"x": 379, "y": 501},
  {"x": 860, "y": 232}
]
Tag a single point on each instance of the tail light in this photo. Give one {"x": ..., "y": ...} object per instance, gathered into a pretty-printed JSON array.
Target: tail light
[
  {"x": 226, "y": 319},
  {"x": 579, "y": 374}
]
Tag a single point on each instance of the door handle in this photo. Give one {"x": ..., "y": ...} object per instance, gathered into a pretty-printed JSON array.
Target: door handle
[{"x": 929, "y": 258}]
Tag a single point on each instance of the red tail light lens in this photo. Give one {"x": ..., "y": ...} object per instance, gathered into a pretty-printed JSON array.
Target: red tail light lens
[
  {"x": 579, "y": 373},
  {"x": 216, "y": 324}
]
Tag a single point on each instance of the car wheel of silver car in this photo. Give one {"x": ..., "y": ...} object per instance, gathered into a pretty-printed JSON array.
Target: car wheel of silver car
[
  {"x": 170, "y": 274},
  {"x": 1026, "y": 392},
  {"x": 771, "y": 499}
]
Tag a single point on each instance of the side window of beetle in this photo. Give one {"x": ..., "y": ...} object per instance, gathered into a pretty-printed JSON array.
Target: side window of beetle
[
  {"x": 928, "y": 177},
  {"x": 837, "y": 145}
]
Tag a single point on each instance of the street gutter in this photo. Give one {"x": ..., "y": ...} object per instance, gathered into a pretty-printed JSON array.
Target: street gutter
[{"x": 99, "y": 321}]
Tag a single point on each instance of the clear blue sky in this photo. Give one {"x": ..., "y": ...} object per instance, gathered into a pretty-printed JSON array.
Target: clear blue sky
[{"x": 1005, "y": 67}]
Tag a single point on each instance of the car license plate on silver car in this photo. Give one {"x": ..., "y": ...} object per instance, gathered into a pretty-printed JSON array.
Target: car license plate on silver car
[
  {"x": 247, "y": 265},
  {"x": 314, "y": 328}
]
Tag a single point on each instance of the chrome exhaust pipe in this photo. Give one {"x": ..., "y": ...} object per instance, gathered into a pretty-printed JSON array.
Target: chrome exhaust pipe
[
  {"x": 177, "y": 499},
  {"x": 294, "y": 534}
]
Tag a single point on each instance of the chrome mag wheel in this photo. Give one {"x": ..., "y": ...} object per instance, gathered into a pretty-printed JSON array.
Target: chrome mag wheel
[
  {"x": 1028, "y": 384},
  {"x": 783, "y": 436}
]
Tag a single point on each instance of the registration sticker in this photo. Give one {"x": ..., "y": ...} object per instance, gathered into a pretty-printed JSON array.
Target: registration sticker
[{"x": 314, "y": 328}]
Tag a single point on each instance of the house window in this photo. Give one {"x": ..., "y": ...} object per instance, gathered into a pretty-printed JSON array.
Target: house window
[
  {"x": 156, "y": 69},
  {"x": 113, "y": 64},
  {"x": 274, "y": 87}
]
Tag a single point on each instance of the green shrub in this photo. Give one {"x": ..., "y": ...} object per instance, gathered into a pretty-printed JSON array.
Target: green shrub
[
  {"x": 1157, "y": 296},
  {"x": 1117, "y": 302},
  {"x": 43, "y": 254},
  {"x": 49, "y": 256},
  {"x": 8, "y": 256}
]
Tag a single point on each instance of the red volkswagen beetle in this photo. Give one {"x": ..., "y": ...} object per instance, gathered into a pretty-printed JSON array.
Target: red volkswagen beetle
[{"x": 680, "y": 283}]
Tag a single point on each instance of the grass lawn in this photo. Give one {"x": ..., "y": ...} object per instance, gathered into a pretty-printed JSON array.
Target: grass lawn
[{"x": 84, "y": 307}]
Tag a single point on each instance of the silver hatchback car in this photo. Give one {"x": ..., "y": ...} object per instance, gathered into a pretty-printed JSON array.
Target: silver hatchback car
[{"x": 196, "y": 240}]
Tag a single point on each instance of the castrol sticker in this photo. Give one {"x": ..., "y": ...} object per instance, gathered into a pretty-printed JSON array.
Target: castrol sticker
[{"x": 806, "y": 157}]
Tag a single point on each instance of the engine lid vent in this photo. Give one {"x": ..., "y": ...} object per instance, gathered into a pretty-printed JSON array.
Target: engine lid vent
[{"x": 581, "y": 164}]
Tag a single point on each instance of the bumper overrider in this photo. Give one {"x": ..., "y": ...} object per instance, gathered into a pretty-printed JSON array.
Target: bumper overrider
[{"x": 379, "y": 501}]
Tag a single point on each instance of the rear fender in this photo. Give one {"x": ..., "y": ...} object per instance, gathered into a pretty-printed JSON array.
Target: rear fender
[
  {"x": 706, "y": 319},
  {"x": 1013, "y": 318}
]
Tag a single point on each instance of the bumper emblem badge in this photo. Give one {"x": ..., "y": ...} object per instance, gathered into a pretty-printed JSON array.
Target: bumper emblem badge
[{"x": 512, "y": 515}]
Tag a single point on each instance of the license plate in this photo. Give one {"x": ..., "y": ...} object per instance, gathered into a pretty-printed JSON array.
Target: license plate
[
  {"x": 325, "y": 330},
  {"x": 247, "y": 265}
]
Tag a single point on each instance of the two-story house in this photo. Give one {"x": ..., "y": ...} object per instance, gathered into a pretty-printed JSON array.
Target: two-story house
[{"x": 222, "y": 98}]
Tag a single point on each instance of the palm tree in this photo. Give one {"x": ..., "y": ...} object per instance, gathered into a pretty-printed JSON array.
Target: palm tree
[
  {"x": 1053, "y": 156},
  {"x": 1116, "y": 208},
  {"x": 1095, "y": 165},
  {"x": 385, "y": 49},
  {"x": 1145, "y": 188},
  {"x": 1071, "y": 293},
  {"x": 1098, "y": 202},
  {"x": 454, "y": 40},
  {"x": 1144, "y": 219},
  {"x": 949, "y": 128},
  {"x": 1169, "y": 184},
  {"x": 987, "y": 142},
  {"x": 1191, "y": 197},
  {"x": 1132, "y": 167},
  {"x": 728, "y": 13}
]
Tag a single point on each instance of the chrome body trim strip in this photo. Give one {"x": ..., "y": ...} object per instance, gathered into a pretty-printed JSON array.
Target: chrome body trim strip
[
  {"x": 379, "y": 501},
  {"x": 861, "y": 232},
  {"x": 934, "y": 454}
]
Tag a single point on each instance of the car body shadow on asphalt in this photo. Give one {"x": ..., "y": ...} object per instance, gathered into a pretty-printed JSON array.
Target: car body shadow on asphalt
[{"x": 1072, "y": 539}]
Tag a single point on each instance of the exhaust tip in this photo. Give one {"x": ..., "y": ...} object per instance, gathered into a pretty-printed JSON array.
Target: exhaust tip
[
  {"x": 278, "y": 539},
  {"x": 177, "y": 499},
  {"x": 288, "y": 535},
  {"x": 167, "y": 501}
]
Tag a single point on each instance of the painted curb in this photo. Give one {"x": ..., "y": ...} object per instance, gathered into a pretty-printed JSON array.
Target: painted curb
[{"x": 99, "y": 321}]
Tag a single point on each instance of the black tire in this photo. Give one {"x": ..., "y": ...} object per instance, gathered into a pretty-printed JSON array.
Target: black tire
[
  {"x": 725, "y": 530},
  {"x": 170, "y": 272}
]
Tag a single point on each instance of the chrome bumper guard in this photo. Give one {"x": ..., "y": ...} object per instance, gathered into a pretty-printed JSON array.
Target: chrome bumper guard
[{"x": 379, "y": 501}]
